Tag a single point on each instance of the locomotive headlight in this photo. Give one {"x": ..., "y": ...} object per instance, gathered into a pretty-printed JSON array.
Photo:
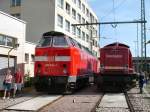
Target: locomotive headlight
[{"x": 64, "y": 68}]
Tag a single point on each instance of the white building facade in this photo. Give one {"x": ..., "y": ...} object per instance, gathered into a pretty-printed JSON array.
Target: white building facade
[
  {"x": 12, "y": 32},
  {"x": 29, "y": 59},
  {"x": 56, "y": 15}
]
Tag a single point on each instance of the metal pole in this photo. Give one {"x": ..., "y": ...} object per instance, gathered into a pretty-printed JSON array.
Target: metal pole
[
  {"x": 15, "y": 46},
  {"x": 143, "y": 36},
  {"x": 137, "y": 48},
  {"x": 9, "y": 55}
]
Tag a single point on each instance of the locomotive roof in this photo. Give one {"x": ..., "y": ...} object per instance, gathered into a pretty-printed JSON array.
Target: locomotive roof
[
  {"x": 117, "y": 44},
  {"x": 53, "y": 33}
]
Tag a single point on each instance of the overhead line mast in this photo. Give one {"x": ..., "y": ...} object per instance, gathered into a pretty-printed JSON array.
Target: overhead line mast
[{"x": 143, "y": 35}]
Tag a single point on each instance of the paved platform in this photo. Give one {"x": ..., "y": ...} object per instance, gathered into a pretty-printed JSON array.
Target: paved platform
[
  {"x": 35, "y": 103},
  {"x": 114, "y": 100}
]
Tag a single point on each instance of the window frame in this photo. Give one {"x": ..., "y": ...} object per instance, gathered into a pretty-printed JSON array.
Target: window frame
[
  {"x": 67, "y": 25},
  {"x": 15, "y": 3},
  {"x": 60, "y": 23}
]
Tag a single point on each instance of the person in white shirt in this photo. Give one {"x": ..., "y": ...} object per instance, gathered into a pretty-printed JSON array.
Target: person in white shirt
[{"x": 7, "y": 84}]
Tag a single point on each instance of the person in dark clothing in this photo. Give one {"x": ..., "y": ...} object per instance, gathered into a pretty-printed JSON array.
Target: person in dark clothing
[{"x": 141, "y": 81}]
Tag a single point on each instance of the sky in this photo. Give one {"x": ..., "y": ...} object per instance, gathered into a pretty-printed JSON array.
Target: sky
[{"x": 122, "y": 10}]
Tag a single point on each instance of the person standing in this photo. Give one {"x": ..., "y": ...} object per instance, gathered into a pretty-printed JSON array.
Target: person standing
[
  {"x": 141, "y": 81},
  {"x": 18, "y": 81},
  {"x": 7, "y": 84}
]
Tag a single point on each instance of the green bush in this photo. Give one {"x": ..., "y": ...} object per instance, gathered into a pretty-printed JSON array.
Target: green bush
[{"x": 28, "y": 81}]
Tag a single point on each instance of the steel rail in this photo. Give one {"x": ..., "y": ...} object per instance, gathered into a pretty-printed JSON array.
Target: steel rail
[{"x": 131, "y": 108}]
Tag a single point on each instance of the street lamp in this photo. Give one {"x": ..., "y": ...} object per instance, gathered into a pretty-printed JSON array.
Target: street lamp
[{"x": 15, "y": 46}]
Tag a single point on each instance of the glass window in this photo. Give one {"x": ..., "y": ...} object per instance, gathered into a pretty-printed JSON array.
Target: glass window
[
  {"x": 87, "y": 26},
  {"x": 87, "y": 12},
  {"x": 59, "y": 21},
  {"x": 2, "y": 40},
  {"x": 9, "y": 42},
  {"x": 83, "y": 8},
  {"x": 67, "y": 8},
  {"x": 26, "y": 57},
  {"x": 32, "y": 57},
  {"x": 67, "y": 26},
  {"x": 73, "y": 30},
  {"x": 79, "y": 3},
  {"x": 83, "y": 35},
  {"x": 15, "y": 3},
  {"x": 45, "y": 42},
  {"x": 83, "y": 20},
  {"x": 60, "y": 3},
  {"x": 74, "y": 42},
  {"x": 79, "y": 18},
  {"x": 18, "y": 2},
  {"x": 78, "y": 32},
  {"x": 73, "y": 13},
  {"x": 87, "y": 38},
  {"x": 59, "y": 42}
]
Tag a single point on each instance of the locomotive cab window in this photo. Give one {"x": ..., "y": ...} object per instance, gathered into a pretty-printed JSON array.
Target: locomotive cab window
[
  {"x": 45, "y": 42},
  {"x": 60, "y": 42}
]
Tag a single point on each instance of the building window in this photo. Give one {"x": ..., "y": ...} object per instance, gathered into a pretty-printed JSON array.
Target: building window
[
  {"x": 87, "y": 12},
  {"x": 87, "y": 26},
  {"x": 93, "y": 42},
  {"x": 87, "y": 38},
  {"x": 78, "y": 32},
  {"x": 79, "y": 18},
  {"x": 17, "y": 15},
  {"x": 59, "y": 21},
  {"x": 73, "y": 13},
  {"x": 32, "y": 58},
  {"x": 79, "y": 4},
  {"x": 60, "y": 3},
  {"x": 7, "y": 40},
  {"x": 15, "y": 3},
  {"x": 67, "y": 27},
  {"x": 83, "y": 8},
  {"x": 2, "y": 40},
  {"x": 73, "y": 30},
  {"x": 83, "y": 21},
  {"x": 26, "y": 58},
  {"x": 67, "y": 8},
  {"x": 83, "y": 35}
]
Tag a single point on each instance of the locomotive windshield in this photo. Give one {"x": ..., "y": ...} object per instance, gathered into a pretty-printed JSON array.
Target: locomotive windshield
[
  {"x": 45, "y": 42},
  {"x": 59, "y": 42},
  {"x": 54, "y": 41}
]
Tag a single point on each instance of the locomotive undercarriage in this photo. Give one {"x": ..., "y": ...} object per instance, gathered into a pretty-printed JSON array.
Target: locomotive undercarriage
[
  {"x": 108, "y": 82},
  {"x": 58, "y": 84}
]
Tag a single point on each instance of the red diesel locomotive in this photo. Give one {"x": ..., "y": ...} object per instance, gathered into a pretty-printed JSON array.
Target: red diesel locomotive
[
  {"x": 61, "y": 63},
  {"x": 116, "y": 65}
]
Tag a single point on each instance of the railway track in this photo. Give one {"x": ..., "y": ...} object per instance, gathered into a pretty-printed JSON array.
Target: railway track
[
  {"x": 74, "y": 102},
  {"x": 114, "y": 102},
  {"x": 130, "y": 106},
  {"x": 28, "y": 103}
]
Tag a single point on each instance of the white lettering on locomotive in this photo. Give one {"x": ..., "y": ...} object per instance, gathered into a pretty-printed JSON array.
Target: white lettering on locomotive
[
  {"x": 114, "y": 56},
  {"x": 52, "y": 58}
]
